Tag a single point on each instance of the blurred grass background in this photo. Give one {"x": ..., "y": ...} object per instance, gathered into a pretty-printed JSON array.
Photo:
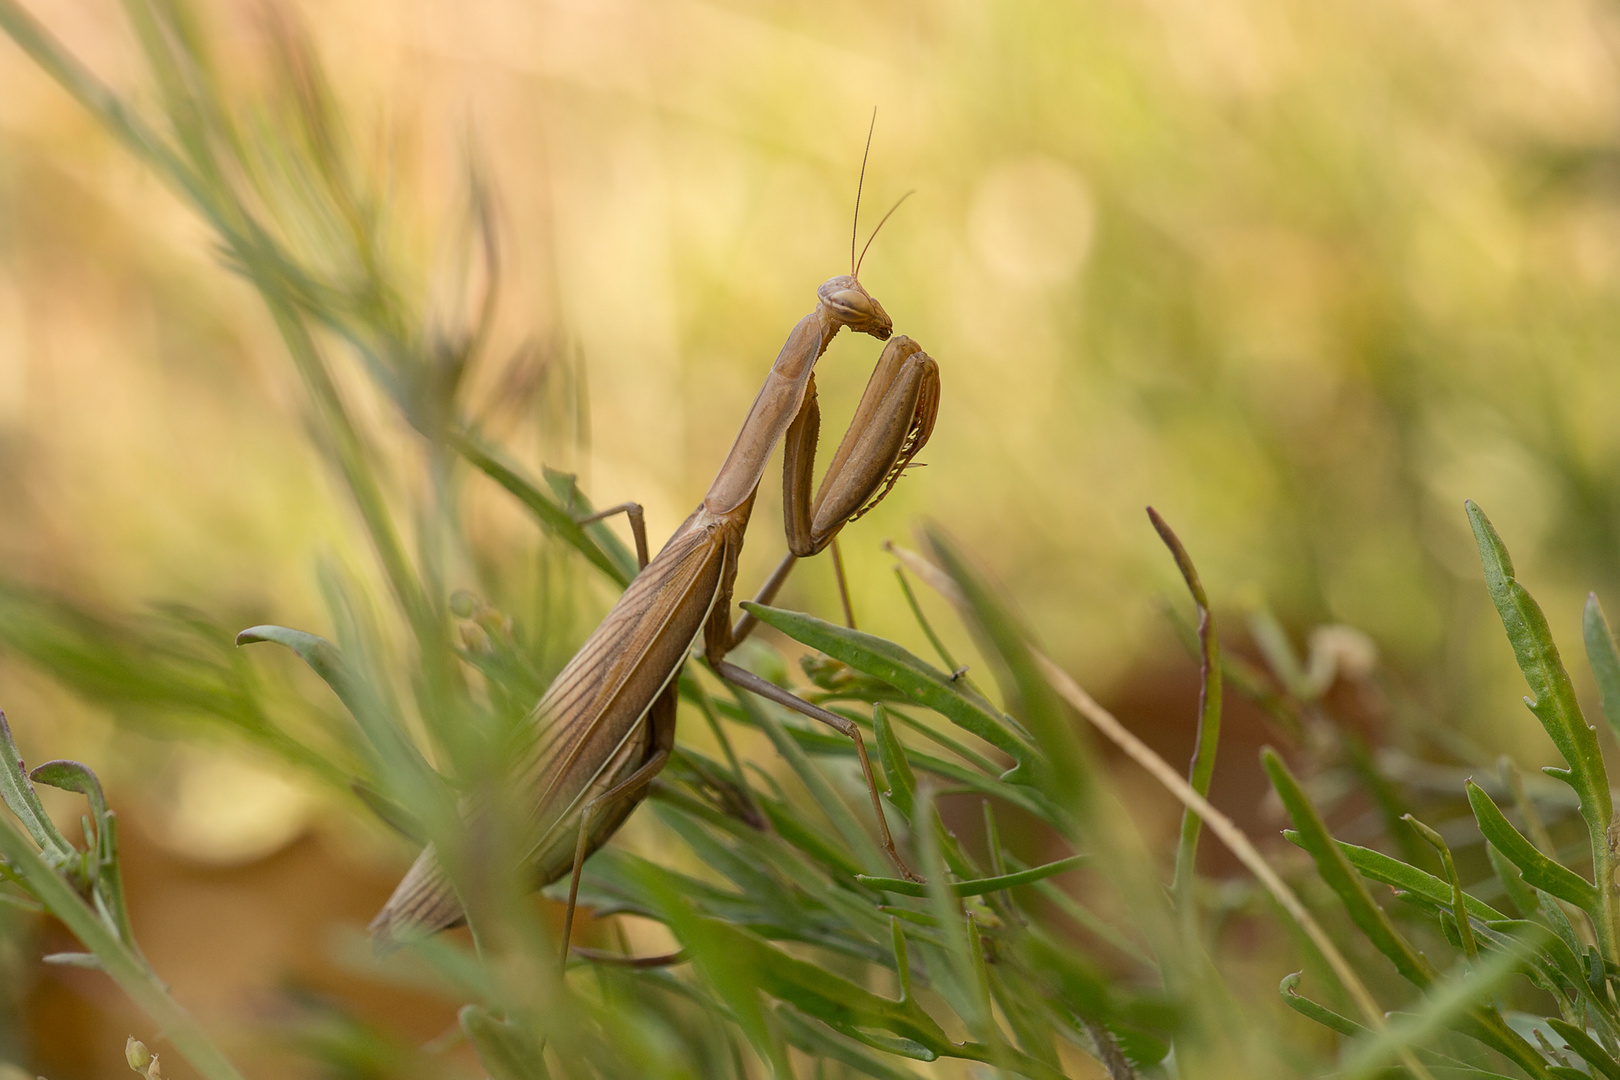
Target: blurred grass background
[{"x": 1302, "y": 277}]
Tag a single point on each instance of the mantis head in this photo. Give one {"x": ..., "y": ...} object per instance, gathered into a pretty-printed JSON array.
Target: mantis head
[{"x": 854, "y": 307}]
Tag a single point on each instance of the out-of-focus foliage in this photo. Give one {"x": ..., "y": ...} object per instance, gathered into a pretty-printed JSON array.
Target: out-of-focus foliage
[{"x": 1302, "y": 277}]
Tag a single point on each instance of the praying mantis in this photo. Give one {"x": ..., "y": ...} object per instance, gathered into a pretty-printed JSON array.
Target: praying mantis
[{"x": 605, "y": 727}]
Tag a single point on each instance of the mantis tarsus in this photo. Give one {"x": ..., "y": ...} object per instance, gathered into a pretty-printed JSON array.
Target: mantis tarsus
[{"x": 606, "y": 726}]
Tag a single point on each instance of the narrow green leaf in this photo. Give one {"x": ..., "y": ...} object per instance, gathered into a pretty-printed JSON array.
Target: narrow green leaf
[
  {"x": 817, "y": 1040},
  {"x": 1029, "y": 1014},
  {"x": 125, "y": 967},
  {"x": 1605, "y": 660},
  {"x": 565, "y": 486},
  {"x": 1447, "y": 1003},
  {"x": 902, "y": 959},
  {"x": 836, "y": 810},
  {"x": 922, "y": 620},
  {"x": 919, "y": 681},
  {"x": 389, "y": 812},
  {"x": 327, "y": 661},
  {"x": 1556, "y": 955},
  {"x": 892, "y": 755},
  {"x": 979, "y": 886},
  {"x": 1480, "y": 1023},
  {"x": 1320, "y": 1013},
  {"x": 21, "y": 799},
  {"x": 1335, "y": 869},
  {"x": 1063, "y": 768},
  {"x": 730, "y": 966},
  {"x": 1459, "y": 907},
  {"x": 554, "y": 518},
  {"x": 76, "y": 777},
  {"x": 22, "y": 902},
  {"x": 955, "y": 979},
  {"x": 1208, "y": 737},
  {"x": 1090, "y": 992},
  {"x": 505, "y": 1052},
  {"x": 1538, "y": 870},
  {"x": 809, "y": 987},
  {"x": 1404, "y": 877},
  {"x": 1522, "y": 895},
  {"x": 73, "y": 959},
  {"x": 109, "y": 895},
  {"x": 1442, "y": 1068},
  {"x": 1555, "y": 705},
  {"x": 1586, "y": 1046}
]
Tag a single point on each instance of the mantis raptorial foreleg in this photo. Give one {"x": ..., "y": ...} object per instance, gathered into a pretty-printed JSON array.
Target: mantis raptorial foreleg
[{"x": 892, "y": 422}]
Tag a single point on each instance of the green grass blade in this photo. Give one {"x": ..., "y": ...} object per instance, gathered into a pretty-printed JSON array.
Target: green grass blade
[
  {"x": 1313, "y": 1011},
  {"x": 808, "y": 987},
  {"x": 1336, "y": 870},
  {"x": 398, "y": 754},
  {"x": 76, "y": 777},
  {"x": 1583, "y": 1044},
  {"x": 505, "y": 1051},
  {"x": 565, "y": 486},
  {"x": 1404, "y": 877},
  {"x": 918, "y": 680},
  {"x": 834, "y": 807},
  {"x": 1555, "y": 705},
  {"x": 818, "y": 1040},
  {"x": 1605, "y": 660},
  {"x": 979, "y": 886},
  {"x": 20, "y": 798},
  {"x": 118, "y": 960},
  {"x": 1447, "y": 1003},
  {"x": 1521, "y": 894},
  {"x": 552, "y": 517},
  {"x": 1538, "y": 870},
  {"x": 892, "y": 756},
  {"x": 1459, "y": 905},
  {"x": 1063, "y": 767},
  {"x": 1208, "y": 737}
]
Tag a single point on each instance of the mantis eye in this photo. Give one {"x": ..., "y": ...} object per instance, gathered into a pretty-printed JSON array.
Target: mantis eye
[
  {"x": 856, "y": 308},
  {"x": 851, "y": 302}
]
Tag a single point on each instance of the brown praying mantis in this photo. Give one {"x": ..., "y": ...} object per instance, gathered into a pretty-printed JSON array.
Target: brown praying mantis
[{"x": 606, "y": 726}]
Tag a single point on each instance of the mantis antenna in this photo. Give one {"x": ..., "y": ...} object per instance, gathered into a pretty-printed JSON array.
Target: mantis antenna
[
  {"x": 857, "y": 272},
  {"x": 855, "y": 226}
]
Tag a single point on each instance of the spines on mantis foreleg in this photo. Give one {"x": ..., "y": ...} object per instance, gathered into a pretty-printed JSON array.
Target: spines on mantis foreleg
[{"x": 892, "y": 423}]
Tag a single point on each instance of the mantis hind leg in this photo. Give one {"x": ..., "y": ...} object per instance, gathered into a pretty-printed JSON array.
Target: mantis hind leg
[{"x": 661, "y": 725}]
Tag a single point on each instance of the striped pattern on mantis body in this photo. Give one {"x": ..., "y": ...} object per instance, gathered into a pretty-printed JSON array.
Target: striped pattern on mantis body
[{"x": 606, "y": 725}]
